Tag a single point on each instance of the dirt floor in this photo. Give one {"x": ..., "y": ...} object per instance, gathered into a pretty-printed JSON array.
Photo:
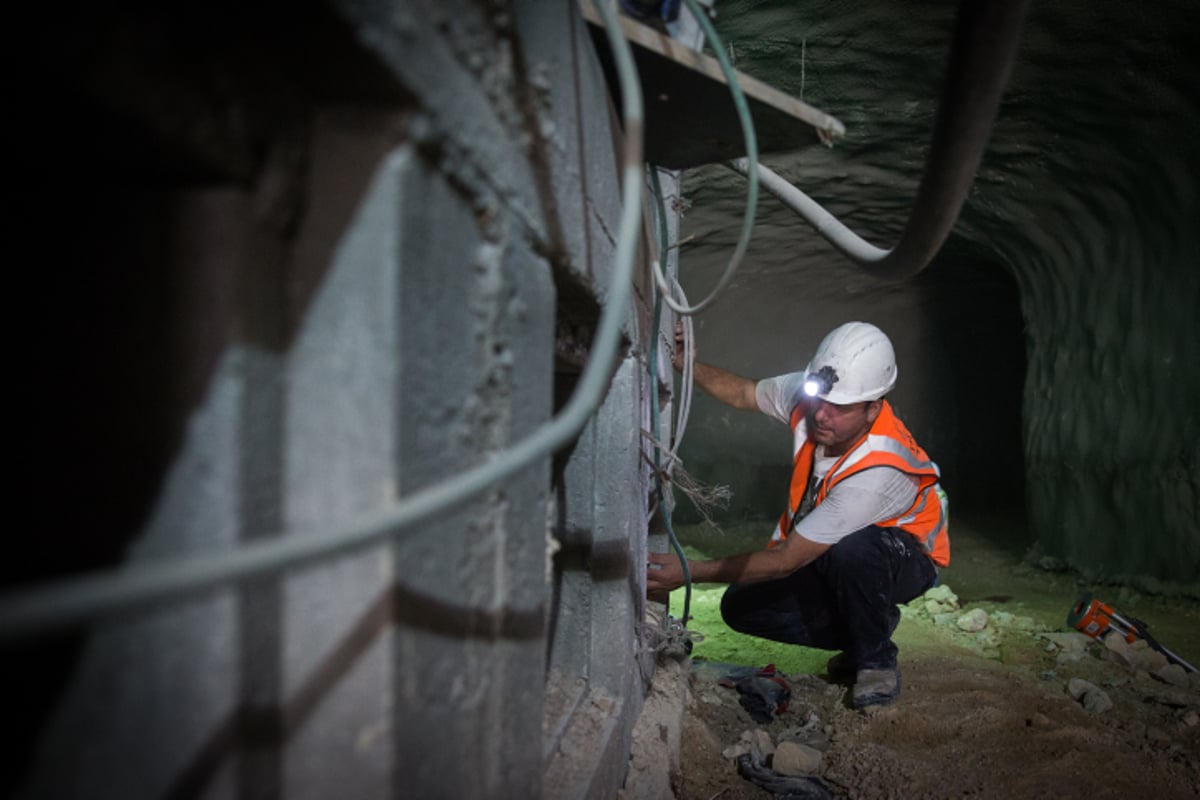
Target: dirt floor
[{"x": 985, "y": 714}]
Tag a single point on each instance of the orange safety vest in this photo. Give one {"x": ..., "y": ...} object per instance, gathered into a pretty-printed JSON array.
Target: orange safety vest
[{"x": 887, "y": 444}]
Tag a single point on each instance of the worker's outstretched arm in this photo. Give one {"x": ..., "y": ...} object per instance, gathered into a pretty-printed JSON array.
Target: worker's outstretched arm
[
  {"x": 665, "y": 573},
  {"x": 731, "y": 389}
]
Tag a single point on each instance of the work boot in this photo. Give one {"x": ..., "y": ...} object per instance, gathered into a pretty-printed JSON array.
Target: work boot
[
  {"x": 840, "y": 668},
  {"x": 875, "y": 687}
]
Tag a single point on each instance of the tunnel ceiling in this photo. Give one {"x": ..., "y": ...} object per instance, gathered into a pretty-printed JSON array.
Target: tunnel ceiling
[
  {"x": 1098, "y": 124},
  {"x": 1097, "y": 129}
]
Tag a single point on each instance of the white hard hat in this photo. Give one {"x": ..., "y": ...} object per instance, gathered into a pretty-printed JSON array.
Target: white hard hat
[{"x": 854, "y": 363}]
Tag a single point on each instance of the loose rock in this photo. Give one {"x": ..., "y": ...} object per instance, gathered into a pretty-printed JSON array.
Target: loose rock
[
  {"x": 1158, "y": 738},
  {"x": 940, "y": 600},
  {"x": 756, "y": 742},
  {"x": 942, "y": 594},
  {"x": 1174, "y": 698},
  {"x": 1077, "y": 688},
  {"x": 1093, "y": 699},
  {"x": 1071, "y": 646},
  {"x": 1141, "y": 655},
  {"x": 1172, "y": 674},
  {"x": 793, "y": 758},
  {"x": 760, "y": 743},
  {"x": 735, "y": 750},
  {"x": 1097, "y": 702},
  {"x": 973, "y": 621}
]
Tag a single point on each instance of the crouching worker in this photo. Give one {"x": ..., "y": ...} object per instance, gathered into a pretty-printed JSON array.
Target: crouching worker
[{"x": 865, "y": 526}]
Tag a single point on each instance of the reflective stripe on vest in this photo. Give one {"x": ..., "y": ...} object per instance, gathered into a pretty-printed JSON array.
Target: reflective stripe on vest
[{"x": 887, "y": 444}]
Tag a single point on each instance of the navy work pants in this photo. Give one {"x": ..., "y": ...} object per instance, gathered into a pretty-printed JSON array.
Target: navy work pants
[{"x": 844, "y": 600}]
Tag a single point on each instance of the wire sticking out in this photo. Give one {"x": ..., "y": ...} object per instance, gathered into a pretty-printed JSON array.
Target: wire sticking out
[{"x": 704, "y": 497}]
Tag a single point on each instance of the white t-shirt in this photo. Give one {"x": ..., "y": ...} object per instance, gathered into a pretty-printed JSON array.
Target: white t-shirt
[{"x": 862, "y": 499}]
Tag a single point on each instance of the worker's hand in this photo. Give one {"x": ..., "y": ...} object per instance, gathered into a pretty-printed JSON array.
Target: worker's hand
[
  {"x": 677, "y": 355},
  {"x": 663, "y": 573}
]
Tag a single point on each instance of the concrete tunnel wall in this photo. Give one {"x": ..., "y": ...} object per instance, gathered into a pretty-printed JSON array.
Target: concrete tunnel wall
[{"x": 329, "y": 254}]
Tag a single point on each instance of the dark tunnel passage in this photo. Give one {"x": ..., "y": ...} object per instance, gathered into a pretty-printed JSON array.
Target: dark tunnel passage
[{"x": 975, "y": 314}]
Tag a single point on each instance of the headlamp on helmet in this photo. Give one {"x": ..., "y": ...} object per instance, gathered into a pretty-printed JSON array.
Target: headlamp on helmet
[{"x": 820, "y": 382}]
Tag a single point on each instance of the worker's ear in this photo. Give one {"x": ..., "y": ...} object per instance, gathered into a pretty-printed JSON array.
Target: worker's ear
[{"x": 873, "y": 409}]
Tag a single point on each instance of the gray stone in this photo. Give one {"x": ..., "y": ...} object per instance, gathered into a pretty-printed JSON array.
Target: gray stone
[
  {"x": 942, "y": 594},
  {"x": 1175, "y": 698},
  {"x": 1136, "y": 655},
  {"x": 735, "y": 750},
  {"x": 794, "y": 758},
  {"x": 1097, "y": 702},
  {"x": 940, "y": 600},
  {"x": 1139, "y": 654},
  {"x": 973, "y": 621},
  {"x": 1116, "y": 644},
  {"x": 933, "y": 607},
  {"x": 1071, "y": 646},
  {"x": 759, "y": 742},
  {"x": 1158, "y": 738},
  {"x": 1072, "y": 641},
  {"x": 1093, "y": 699},
  {"x": 1172, "y": 674}
]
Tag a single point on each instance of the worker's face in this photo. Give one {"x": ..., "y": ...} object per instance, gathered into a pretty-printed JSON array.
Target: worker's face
[{"x": 839, "y": 426}]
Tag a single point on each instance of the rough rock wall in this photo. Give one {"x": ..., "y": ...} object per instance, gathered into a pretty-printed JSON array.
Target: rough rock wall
[
  {"x": 1089, "y": 195},
  {"x": 327, "y": 255},
  {"x": 1112, "y": 439}
]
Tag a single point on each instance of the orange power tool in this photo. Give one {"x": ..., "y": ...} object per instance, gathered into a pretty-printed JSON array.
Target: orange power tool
[{"x": 1094, "y": 618}]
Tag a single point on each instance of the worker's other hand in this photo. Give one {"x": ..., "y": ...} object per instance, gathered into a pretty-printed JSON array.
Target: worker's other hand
[
  {"x": 663, "y": 573},
  {"x": 677, "y": 355}
]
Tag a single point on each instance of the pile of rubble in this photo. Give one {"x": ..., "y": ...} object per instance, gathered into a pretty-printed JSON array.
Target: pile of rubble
[
  {"x": 1100, "y": 675},
  {"x": 1096, "y": 674},
  {"x": 789, "y": 767}
]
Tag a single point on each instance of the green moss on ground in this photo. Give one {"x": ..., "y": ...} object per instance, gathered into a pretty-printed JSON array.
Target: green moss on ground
[
  {"x": 726, "y": 645},
  {"x": 720, "y": 643}
]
